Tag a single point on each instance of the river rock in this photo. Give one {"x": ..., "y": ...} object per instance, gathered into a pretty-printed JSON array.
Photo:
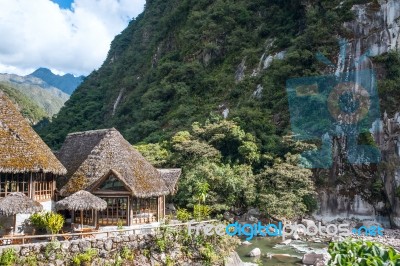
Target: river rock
[
  {"x": 253, "y": 212},
  {"x": 295, "y": 236},
  {"x": 308, "y": 223},
  {"x": 246, "y": 243},
  {"x": 229, "y": 217},
  {"x": 254, "y": 253},
  {"x": 286, "y": 242},
  {"x": 312, "y": 258}
]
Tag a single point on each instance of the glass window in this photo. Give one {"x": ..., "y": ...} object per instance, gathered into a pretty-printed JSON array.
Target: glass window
[
  {"x": 112, "y": 183},
  {"x": 43, "y": 187},
  {"x": 145, "y": 210},
  {"x": 87, "y": 215},
  {"x": 14, "y": 183},
  {"x": 116, "y": 212}
]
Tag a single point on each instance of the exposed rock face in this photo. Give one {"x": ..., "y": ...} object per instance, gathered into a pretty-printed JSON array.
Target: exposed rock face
[
  {"x": 376, "y": 26},
  {"x": 388, "y": 140},
  {"x": 375, "y": 30}
]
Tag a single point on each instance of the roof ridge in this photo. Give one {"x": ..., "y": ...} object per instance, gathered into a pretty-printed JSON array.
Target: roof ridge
[{"x": 88, "y": 132}]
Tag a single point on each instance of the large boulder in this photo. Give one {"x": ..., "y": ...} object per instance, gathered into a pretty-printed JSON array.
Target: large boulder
[
  {"x": 254, "y": 253},
  {"x": 308, "y": 223},
  {"x": 230, "y": 217},
  {"x": 312, "y": 258}
]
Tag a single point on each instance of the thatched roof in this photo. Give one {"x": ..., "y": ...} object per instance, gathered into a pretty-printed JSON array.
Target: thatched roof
[
  {"x": 18, "y": 202},
  {"x": 81, "y": 201},
  {"x": 21, "y": 149},
  {"x": 90, "y": 156},
  {"x": 170, "y": 177}
]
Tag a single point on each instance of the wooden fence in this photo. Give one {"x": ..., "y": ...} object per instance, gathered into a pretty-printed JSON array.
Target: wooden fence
[{"x": 25, "y": 239}]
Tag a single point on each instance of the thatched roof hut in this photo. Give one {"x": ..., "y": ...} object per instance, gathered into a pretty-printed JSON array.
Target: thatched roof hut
[
  {"x": 17, "y": 202},
  {"x": 90, "y": 156},
  {"x": 170, "y": 177},
  {"x": 81, "y": 201},
  {"x": 21, "y": 149}
]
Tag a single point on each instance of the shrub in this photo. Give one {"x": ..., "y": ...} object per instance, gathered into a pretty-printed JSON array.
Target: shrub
[
  {"x": 47, "y": 220},
  {"x": 359, "y": 253},
  {"x": 201, "y": 212},
  {"x": 54, "y": 222},
  {"x": 30, "y": 260},
  {"x": 127, "y": 254},
  {"x": 37, "y": 220},
  {"x": 8, "y": 257},
  {"x": 85, "y": 257},
  {"x": 183, "y": 215}
]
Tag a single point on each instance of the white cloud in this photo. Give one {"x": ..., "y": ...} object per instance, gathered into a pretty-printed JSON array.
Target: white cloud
[{"x": 39, "y": 34}]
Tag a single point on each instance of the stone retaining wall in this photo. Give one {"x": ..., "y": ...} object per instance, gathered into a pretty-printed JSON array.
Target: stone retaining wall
[{"x": 109, "y": 251}]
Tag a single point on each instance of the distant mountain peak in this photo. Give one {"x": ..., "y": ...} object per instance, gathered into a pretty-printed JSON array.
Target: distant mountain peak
[{"x": 67, "y": 83}]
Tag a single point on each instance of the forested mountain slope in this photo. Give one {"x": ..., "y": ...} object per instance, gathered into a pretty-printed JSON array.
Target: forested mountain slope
[
  {"x": 181, "y": 60},
  {"x": 190, "y": 60},
  {"x": 48, "y": 98},
  {"x": 30, "y": 110}
]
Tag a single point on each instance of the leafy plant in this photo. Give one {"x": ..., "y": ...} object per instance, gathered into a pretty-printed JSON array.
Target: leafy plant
[
  {"x": 208, "y": 254},
  {"x": 161, "y": 244},
  {"x": 51, "y": 247},
  {"x": 146, "y": 253},
  {"x": 169, "y": 261},
  {"x": 85, "y": 257},
  {"x": 47, "y": 220},
  {"x": 360, "y": 253},
  {"x": 54, "y": 222},
  {"x": 183, "y": 215},
  {"x": 120, "y": 224},
  {"x": 127, "y": 254},
  {"x": 201, "y": 212},
  {"x": 8, "y": 257},
  {"x": 30, "y": 260},
  {"x": 37, "y": 220}
]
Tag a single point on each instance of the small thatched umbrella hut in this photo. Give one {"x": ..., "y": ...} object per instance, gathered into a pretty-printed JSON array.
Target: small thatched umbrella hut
[
  {"x": 104, "y": 163},
  {"x": 81, "y": 201},
  {"x": 27, "y": 165},
  {"x": 17, "y": 203}
]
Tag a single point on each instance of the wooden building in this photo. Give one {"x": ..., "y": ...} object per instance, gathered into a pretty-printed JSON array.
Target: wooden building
[
  {"x": 27, "y": 164},
  {"x": 105, "y": 164}
]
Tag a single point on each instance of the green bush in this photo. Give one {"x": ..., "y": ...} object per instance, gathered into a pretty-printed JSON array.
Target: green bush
[
  {"x": 37, "y": 220},
  {"x": 81, "y": 258},
  {"x": 54, "y": 222},
  {"x": 311, "y": 203},
  {"x": 360, "y": 253},
  {"x": 30, "y": 260},
  {"x": 47, "y": 220},
  {"x": 8, "y": 257},
  {"x": 201, "y": 212},
  {"x": 127, "y": 254},
  {"x": 183, "y": 215}
]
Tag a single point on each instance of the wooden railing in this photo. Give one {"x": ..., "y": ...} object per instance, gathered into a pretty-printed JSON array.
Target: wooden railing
[{"x": 27, "y": 239}]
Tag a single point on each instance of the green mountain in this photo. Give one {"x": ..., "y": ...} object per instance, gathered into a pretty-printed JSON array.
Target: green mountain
[
  {"x": 48, "y": 98},
  {"x": 29, "y": 109},
  {"x": 195, "y": 60},
  {"x": 67, "y": 83},
  {"x": 180, "y": 61}
]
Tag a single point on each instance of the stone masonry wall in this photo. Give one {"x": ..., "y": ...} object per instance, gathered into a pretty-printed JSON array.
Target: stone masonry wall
[{"x": 109, "y": 250}]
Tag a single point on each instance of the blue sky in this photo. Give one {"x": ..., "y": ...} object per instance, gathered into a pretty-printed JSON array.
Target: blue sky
[
  {"x": 66, "y": 4},
  {"x": 52, "y": 34}
]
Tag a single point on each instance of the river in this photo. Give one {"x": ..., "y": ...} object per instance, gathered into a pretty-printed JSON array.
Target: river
[{"x": 281, "y": 255}]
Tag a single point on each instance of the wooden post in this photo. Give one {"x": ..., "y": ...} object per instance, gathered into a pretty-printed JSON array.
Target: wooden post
[
  {"x": 81, "y": 219},
  {"x": 15, "y": 223}
]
